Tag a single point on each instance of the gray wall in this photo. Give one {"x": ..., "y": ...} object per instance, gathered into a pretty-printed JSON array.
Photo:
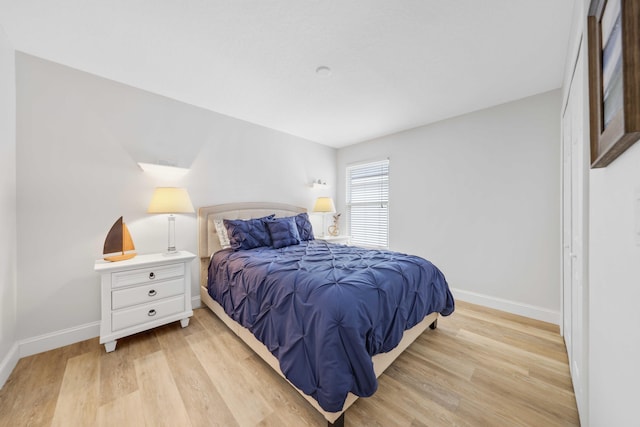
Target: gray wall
[
  {"x": 79, "y": 138},
  {"x": 8, "y": 287},
  {"x": 479, "y": 195},
  {"x": 614, "y": 291}
]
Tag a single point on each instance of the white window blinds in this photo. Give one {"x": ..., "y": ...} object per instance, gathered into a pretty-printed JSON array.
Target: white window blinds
[{"x": 368, "y": 204}]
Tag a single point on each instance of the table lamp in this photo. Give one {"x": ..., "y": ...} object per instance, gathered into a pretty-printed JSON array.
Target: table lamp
[
  {"x": 170, "y": 200},
  {"x": 324, "y": 205}
]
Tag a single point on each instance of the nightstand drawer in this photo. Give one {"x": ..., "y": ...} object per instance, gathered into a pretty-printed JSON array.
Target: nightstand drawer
[
  {"x": 147, "y": 293},
  {"x": 147, "y": 313},
  {"x": 146, "y": 275}
]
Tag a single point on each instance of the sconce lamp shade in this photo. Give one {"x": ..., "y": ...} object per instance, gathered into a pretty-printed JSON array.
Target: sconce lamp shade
[
  {"x": 170, "y": 200},
  {"x": 324, "y": 204},
  {"x": 163, "y": 171}
]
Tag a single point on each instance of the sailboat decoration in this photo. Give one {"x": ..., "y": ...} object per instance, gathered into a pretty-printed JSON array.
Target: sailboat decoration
[{"x": 118, "y": 244}]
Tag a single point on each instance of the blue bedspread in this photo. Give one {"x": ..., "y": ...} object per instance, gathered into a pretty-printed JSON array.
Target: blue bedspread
[{"x": 324, "y": 309}]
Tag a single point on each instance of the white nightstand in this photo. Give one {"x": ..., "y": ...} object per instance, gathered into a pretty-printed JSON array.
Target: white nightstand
[
  {"x": 343, "y": 240},
  {"x": 144, "y": 292}
]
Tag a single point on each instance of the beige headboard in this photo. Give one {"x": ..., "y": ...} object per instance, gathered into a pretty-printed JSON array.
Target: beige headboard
[{"x": 208, "y": 241}]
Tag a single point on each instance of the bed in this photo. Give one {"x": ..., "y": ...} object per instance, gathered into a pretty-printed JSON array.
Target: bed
[{"x": 266, "y": 295}]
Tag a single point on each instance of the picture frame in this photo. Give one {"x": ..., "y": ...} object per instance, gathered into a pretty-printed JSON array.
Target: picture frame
[{"x": 613, "y": 29}]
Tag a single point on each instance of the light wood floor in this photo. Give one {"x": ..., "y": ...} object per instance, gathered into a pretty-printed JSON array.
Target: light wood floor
[{"x": 481, "y": 367}]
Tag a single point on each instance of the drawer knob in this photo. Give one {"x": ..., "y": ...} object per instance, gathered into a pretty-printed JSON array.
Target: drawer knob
[
  {"x": 152, "y": 275},
  {"x": 152, "y": 293},
  {"x": 151, "y": 313}
]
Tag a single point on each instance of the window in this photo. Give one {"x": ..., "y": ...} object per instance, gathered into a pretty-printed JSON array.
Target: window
[{"x": 368, "y": 204}]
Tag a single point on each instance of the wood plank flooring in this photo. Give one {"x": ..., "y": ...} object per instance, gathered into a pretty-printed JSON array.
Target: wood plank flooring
[{"x": 481, "y": 367}]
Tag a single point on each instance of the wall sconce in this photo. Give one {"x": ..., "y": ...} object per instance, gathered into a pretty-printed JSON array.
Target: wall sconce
[
  {"x": 163, "y": 171},
  {"x": 319, "y": 183}
]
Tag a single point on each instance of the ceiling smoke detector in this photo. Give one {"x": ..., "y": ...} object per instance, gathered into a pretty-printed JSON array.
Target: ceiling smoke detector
[{"x": 323, "y": 71}]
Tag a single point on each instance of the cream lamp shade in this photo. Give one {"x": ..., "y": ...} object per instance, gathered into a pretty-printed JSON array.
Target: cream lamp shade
[
  {"x": 170, "y": 200},
  {"x": 324, "y": 204}
]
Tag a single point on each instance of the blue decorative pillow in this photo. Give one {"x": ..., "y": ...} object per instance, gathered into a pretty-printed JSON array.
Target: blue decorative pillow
[
  {"x": 284, "y": 232},
  {"x": 304, "y": 226},
  {"x": 249, "y": 233}
]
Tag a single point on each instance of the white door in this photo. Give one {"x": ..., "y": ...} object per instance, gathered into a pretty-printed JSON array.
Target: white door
[
  {"x": 579, "y": 302},
  {"x": 566, "y": 230},
  {"x": 574, "y": 146}
]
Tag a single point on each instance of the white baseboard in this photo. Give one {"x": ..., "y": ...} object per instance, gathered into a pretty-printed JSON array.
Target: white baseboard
[
  {"x": 527, "y": 310},
  {"x": 195, "y": 301},
  {"x": 53, "y": 340},
  {"x": 68, "y": 336},
  {"x": 58, "y": 339},
  {"x": 8, "y": 363}
]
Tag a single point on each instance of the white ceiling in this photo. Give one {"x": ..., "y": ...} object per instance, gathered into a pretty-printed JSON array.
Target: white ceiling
[{"x": 395, "y": 64}]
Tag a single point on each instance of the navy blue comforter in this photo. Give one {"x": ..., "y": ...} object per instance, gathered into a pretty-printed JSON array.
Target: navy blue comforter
[{"x": 324, "y": 309}]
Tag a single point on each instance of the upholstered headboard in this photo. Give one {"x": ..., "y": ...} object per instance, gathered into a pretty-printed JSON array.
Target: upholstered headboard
[{"x": 208, "y": 241}]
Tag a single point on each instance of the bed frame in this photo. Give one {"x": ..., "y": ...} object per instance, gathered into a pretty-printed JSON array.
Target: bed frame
[{"x": 208, "y": 243}]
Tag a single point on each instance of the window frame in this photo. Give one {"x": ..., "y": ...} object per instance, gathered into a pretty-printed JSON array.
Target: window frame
[{"x": 379, "y": 237}]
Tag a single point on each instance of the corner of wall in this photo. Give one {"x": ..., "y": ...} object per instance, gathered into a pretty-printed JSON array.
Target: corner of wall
[
  {"x": 9, "y": 363},
  {"x": 8, "y": 209}
]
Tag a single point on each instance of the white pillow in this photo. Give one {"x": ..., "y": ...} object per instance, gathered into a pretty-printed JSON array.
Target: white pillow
[{"x": 222, "y": 233}]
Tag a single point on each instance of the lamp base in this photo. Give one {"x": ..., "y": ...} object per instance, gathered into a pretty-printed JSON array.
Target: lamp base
[{"x": 171, "y": 247}]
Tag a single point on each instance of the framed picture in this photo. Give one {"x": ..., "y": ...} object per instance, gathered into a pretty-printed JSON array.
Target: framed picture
[{"x": 614, "y": 78}]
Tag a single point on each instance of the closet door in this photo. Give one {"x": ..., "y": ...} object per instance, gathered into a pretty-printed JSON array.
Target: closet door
[
  {"x": 574, "y": 295},
  {"x": 567, "y": 216}
]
